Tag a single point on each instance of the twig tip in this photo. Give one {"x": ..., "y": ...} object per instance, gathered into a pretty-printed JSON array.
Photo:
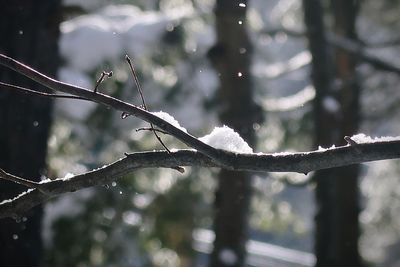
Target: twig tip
[{"x": 350, "y": 141}]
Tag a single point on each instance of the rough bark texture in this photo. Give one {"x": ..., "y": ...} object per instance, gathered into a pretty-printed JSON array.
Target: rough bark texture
[
  {"x": 29, "y": 32},
  {"x": 337, "y": 228},
  {"x": 231, "y": 58}
]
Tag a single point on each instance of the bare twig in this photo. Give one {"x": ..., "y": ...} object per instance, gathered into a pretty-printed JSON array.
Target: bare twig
[
  {"x": 18, "y": 180},
  {"x": 117, "y": 104},
  {"x": 103, "y": 75},
  {"x": 135, "y": 77},
  {"x": 350, "y": 141},
  {"x": 39, "y": 93},
  {"x": 204, "y": 155},
  {"x": 139, "y": 88},
  {"x": 151, "y": 129}
]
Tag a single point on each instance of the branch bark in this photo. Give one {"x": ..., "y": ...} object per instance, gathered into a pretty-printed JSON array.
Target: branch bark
[
  {"x": 203, "y": 156},
  {"x": 301, "y": 162},
  {"x": 117, "y": 104}
]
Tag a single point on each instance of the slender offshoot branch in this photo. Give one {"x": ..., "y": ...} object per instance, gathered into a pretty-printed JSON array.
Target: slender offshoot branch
[
  {"x": 39, "y": 93},
  {"x": 151, "y": 129},
  {"x": 117, "y": 104},
  {"x": 139, "y": 88},
  {"x": 103, "y": 75},
  {"x": 18, "y": 180}
]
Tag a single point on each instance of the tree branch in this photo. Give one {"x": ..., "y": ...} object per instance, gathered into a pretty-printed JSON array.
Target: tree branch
[
  {"x": 346, "y": 44},
  {"x": 357, "y": 50},
  {"x": 117, "y": 104},
  {"x": 38, "y": 93},
  {"x": 301, "y": 162},
  {"x": 203, "y": 156}
]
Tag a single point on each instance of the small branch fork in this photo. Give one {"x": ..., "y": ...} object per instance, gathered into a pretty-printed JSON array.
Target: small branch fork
[
  {"x": 139, "y": 88},
  {"x": 203, "y": 155},
  {"x": 103, "y": 76}
]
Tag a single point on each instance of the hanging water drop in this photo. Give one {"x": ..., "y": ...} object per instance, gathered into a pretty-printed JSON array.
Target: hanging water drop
[{"x": 124, "y": 115}]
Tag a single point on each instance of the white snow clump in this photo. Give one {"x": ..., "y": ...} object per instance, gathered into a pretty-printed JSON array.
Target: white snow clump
[
  {"x": 167, "y": 117},
  {"x": 227, "y": 139},
  {"x": 362, "y": 138}
]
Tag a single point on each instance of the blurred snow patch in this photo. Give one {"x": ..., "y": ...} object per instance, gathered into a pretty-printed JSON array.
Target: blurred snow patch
[
  {"x": 75, "y": 109},
  {"x": 291, "y": 102},
  {"x": 362, "y": 138},
  {"x": 227, "y": 139},
  {"x": 75, "y": 77},
  {"x": 278, "y": 69},
  {"x": 167, "y": 117},
  {"x": 86, "y": 41}
]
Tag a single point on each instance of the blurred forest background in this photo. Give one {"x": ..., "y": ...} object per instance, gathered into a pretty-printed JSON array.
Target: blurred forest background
[{"x": 288, "y": 75}]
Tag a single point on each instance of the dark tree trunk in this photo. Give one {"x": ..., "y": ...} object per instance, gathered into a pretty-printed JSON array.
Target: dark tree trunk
[
  {"x": 336, "y": 114},
  {"x": 231, "y": 58},
  {"x": 347, "y": 196},
  {"x": 29, "y": 33}
]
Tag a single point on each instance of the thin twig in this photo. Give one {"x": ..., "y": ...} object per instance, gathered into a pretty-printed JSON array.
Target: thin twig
[
  {"x": 20, "y": 89},
  {"x": 18, "y": 180},
  {"x": 139, "y": 88},
  {"x": 151, "y": 129},
  {"x": 225, "y": 159},
  {"x": 101, "y": 79},
  {"x": 350, "y": 141}
]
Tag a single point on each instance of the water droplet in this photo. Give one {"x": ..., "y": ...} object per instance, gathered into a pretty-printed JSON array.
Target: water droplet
[
  {"x": 242, "y": 50},
  {"x": 239, "y": 74},
  {"x": 120, "y": 192},
  {"x": 240, "y": 22},
  {"x": 114, "y": 184},
  {"x": 124, "y": 115},
  {"x": 20, "y": 32},
  {"x": 35, "y": 123},
  {"x": 242, "y": 5},
  {"x": 15, "y": 236}
]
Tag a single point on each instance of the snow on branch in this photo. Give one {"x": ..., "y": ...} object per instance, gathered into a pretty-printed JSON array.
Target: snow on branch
[{"x": 213, "y": 150}]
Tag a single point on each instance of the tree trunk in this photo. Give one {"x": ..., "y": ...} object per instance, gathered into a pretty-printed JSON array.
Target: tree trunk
[
  {"x": 336, "y": 114},
  {"x": 231, "y": 58},
  {"x": 29, "y": 33}
]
